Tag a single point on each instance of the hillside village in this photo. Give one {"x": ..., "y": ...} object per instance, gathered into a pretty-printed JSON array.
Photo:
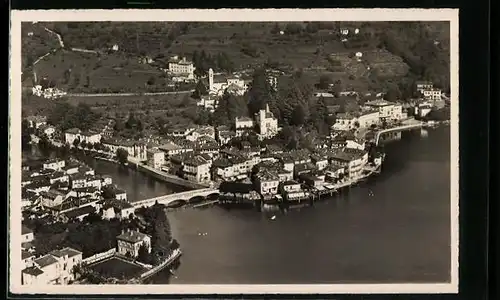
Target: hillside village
[{"x": 269, "y": 135}]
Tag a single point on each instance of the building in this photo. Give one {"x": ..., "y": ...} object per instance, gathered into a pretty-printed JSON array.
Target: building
[
  {"x": 27, "y": 235},
  {"x": 171, "y": 149},
  {"x": 134, "y": 149},
  {"x": 268, "y": 124},
  {"x": 27, "y": 259},
  {"x": 242, "y": 125},
  {"x": 387, "y": 110},
  {"x": 181, "y": 67},
  {"x": 368, "y": 118},
  {"x": 52, "y": 198},
  {"x": 352, "y": 160},
  {"x": 79, "y": 213},
  {"x": 208, "y": 102},
  {"x": 320, "y": 161},
  {"x": 424, "y": 85},
  {"x": 217, "y": 85},
  {"x": 48, "y": 130},
  {"x": 345, "y": 121},
  {"x": 53, "y": 268},
  {"x": 156, "y": 158},
  {"x": 205, "y": 131},
  {"x": 36, "y": 121},
  {"x": 196, "y": 169},
  {"x": 130, "y": 241},
  {"x": 432, "y": 94},
  {"x": 88, "y": 137},
  {"x": 54, "y": 164},
  {"x": 291, "y": 190},
  {"x": 112, "y": 208},
  {"x": 267, "y": 182}
]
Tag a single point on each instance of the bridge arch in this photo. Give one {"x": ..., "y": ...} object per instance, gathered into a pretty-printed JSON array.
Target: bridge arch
[
  {"x": 212, "y": 196},
  {"x": 177, "y": 203},
  {"x": 196, "y": 199}
]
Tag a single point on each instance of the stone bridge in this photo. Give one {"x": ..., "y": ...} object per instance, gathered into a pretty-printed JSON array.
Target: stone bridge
[
  {"x": 179, "y": 199},
  {"x": 412, "y": 125}
]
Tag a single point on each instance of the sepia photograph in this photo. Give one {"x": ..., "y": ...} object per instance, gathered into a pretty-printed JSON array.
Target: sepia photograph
[{"x": 234, "y": 151}]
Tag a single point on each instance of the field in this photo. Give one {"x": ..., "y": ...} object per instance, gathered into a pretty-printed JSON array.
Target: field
[
  {"x": 117, "y": 268},
  {"x": 83, "y": 72}
]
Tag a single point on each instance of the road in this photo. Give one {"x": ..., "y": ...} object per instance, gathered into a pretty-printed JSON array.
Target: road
[{"x": 130, "y": 94}]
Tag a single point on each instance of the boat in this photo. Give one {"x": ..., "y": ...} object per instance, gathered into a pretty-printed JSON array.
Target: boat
[{"x": 273, "y": 217}]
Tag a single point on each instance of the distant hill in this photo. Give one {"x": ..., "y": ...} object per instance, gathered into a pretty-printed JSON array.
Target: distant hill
[{"x": 392, "y": 51}]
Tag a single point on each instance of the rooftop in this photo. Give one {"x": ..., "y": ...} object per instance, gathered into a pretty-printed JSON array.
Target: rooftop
[
  {"x": 169, "y": 147},
  {"x": 34, "y": 271},
  {"x": 132, "y": 236},
  {"x": 379, "y": 103},
  {"x": 26, "y": 230},
  {"x": 70, "y": 252},
  {"x": 80, "y": 211},
  {"x": 46, "y": 260}
]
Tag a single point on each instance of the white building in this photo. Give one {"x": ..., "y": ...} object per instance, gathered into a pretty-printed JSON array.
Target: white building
[
  {"x": 432, "y": 94},
  {"x": 73, "y": 134},
  {"x": 424, "y": 85},
  {"x": 217, "y": 86},
  {"x": 54, "y": 164},
  {"x": 130, "y": 241},
  {"x": 368, "y": 118},
  {"x": 268, "y": 124},
  {"x": 36, "y": 121},
  {"x": 181, "y": 67},
  {"x": 53, "y": 268},
  {"x": 387, "y": 110},
  {"x": 242, "y": 124},
  {"x": 208, "y": 102},
  {"x": 267, "y": 183},
  {"x": 197, "y": 169},
  {"x": 345, "y": 121},
  {"x": 156, "y": 158},
  {"x": 352, "y": 160}
]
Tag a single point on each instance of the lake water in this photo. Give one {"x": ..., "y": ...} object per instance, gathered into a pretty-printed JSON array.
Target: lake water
[{"x": 400, "y": 233}]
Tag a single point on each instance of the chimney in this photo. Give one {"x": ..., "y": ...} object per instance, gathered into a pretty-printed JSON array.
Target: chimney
[{"x": 123, "y": 231}]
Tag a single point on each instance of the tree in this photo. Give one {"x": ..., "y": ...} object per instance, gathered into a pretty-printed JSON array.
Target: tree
[
  {"x": 324, "y": 82},
  {"x": 44, "y": 145},
  {"x": 122, "y": 155},
  {"x": 260, "y": 93},
  {"x": 76, "y": 142},
  {"x": 162, "y": 235},
  {"x": 298, "y": 116},
  {"x": 26, "y": 131},
  {"x": 200, "y": 90},
  {"x": 83, "y": 144},
  {"x": 143, "y": 254}
]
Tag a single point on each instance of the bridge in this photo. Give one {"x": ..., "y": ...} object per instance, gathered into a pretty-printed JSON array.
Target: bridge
[
  {"x": 411, "y": 124},
  {"x": 179, "y": 199}
]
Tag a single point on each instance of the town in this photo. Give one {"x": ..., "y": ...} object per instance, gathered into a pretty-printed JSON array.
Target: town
[{"x": 263, "y": 156}]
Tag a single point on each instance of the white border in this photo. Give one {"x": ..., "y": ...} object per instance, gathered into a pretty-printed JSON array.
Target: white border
[{"x": 273, "y": 15}]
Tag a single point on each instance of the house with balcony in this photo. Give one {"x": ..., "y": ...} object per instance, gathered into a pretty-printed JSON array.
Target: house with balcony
[
  {"x": 353, "y": 160},
  {"x": 267, "y": 182}
]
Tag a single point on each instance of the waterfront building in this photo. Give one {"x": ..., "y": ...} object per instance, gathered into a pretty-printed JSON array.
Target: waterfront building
[
  {"x": 334, "y": 173},
  {"x": 71, "y": 168},
  {"x": 237, "y": 192},
  {"x": 88, "y": 137},
  {"x": 181, "y": 67},
  {"x": 130, "y": 241},
  {"x": 267, "y": 182},
  {"x": 311, "y": 180},
  {"x": 268, "y": 124},
  {"x": 77, "y": 180},
  {"x": 355, "y": 143},
  {"x": 156, "y": 158},
  {"x": 432, "y": 94},
  {"x": 134, "y": 149},
  {"x": 54, "y": 164},
  {"x": 353, "y": 160},
  {"x": 196, "y": 169},
  {"x": 368, "y": 118},
  {"x": 387, "y": 110},
  {"x": 53, "y": 268}
]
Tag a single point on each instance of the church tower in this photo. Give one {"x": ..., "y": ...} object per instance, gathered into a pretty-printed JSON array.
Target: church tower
[{"x": 210, "y": 80}]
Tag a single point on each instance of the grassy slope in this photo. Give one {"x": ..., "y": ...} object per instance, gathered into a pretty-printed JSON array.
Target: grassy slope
[{"x": 307, "y": 51}]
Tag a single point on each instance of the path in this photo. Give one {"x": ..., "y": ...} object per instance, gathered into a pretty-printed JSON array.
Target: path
[{"x": 129, "y": 94}]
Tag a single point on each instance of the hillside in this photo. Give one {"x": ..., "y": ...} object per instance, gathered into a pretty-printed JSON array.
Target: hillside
[{"x": 391, "y": 50}]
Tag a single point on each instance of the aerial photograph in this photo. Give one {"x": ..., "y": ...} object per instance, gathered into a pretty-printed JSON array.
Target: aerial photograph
[{"x": 235, "y": 153}]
